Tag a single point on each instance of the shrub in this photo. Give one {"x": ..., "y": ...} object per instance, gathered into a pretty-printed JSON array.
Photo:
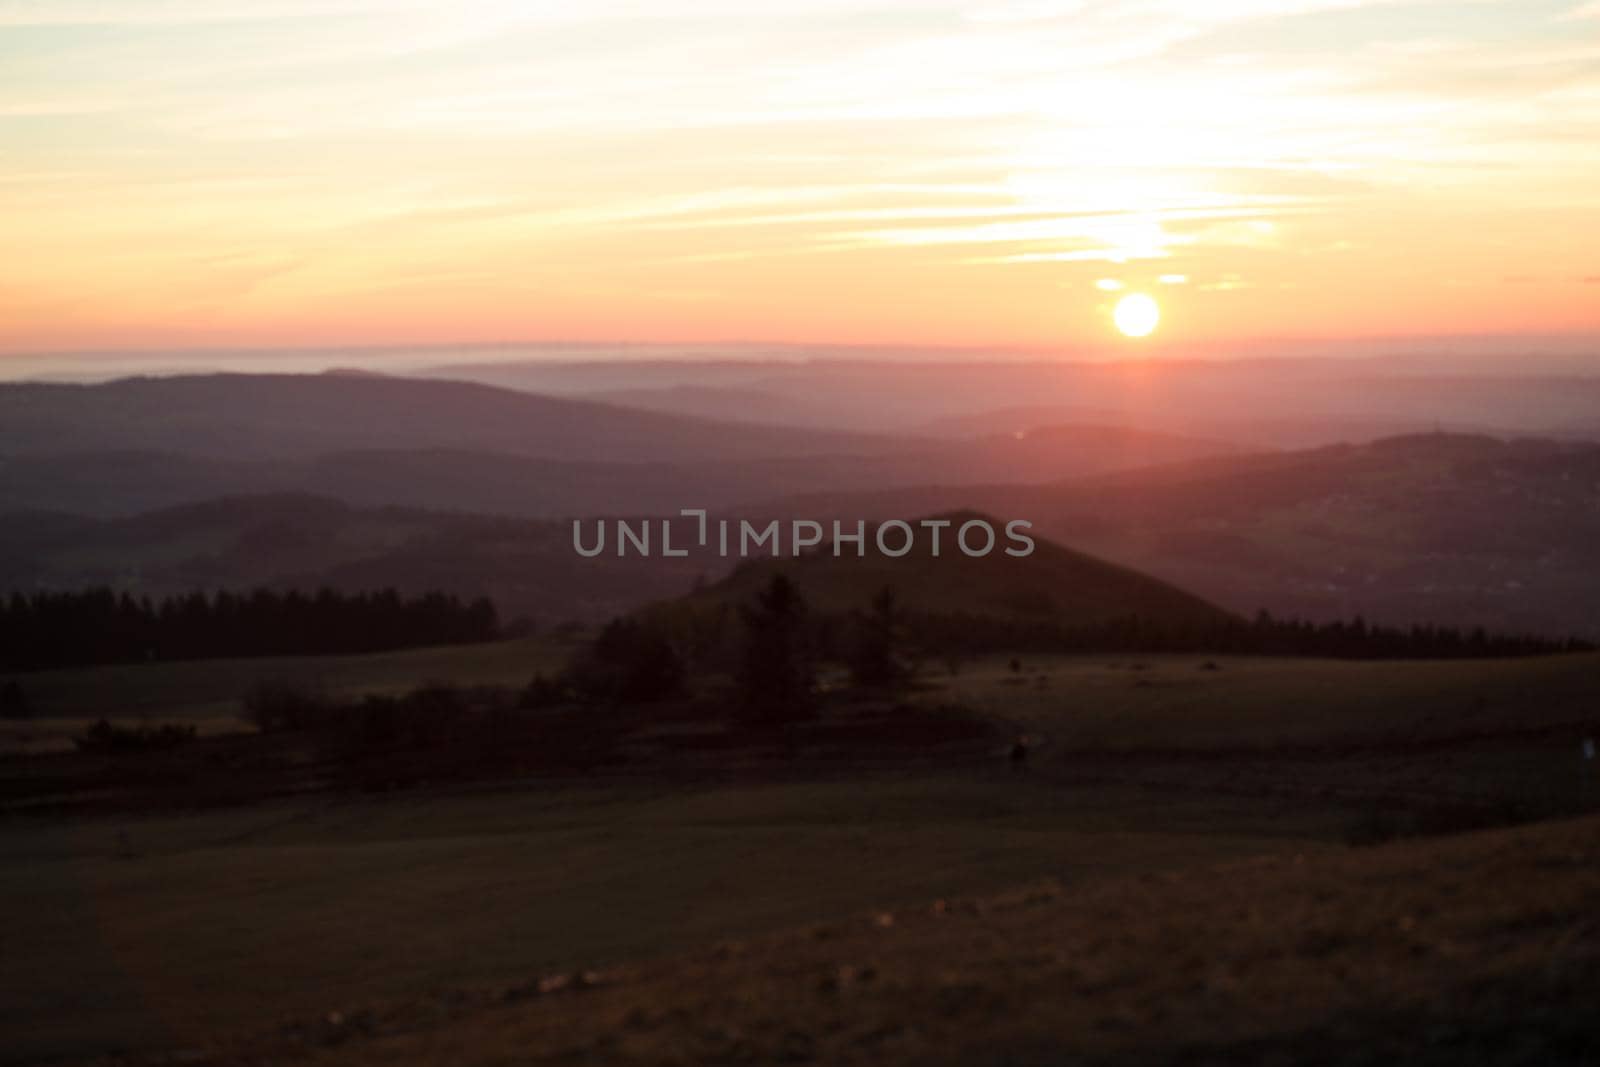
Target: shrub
[
  {"x": 277, "y": 705},
  {"x": 430, "y": 714},
  {"x": 629, "y": 662},
  {"x": 104, "y": 737}
]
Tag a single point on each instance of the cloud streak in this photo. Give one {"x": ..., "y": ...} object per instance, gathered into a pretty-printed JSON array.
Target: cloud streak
[{"x": 968, "y": 144}]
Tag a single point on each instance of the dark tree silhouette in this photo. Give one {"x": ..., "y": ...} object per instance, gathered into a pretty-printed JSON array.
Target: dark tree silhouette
[
  {"x": 776, "y": 679},
  {"x": 69, "y": 629},
  {"x": 630, "y": 662},
  {"x": 876, "y": 658},
  {"x": 970, "y": 634}
]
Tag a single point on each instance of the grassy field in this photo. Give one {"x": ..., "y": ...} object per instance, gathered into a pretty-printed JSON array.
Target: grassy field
[
  {"x": 208, "y": 692},
  {"x": 1455, "y": 952},
  {"x": 1095, "y": 701},
  {"x": 1109, "y": 702},
  {"x": 174, "y": 931},
  {"x": 1456, "y": 743}
]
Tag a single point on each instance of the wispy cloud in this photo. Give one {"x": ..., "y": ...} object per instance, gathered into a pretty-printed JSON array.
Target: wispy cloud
[
  {"x": 334, "y": 143},
  {"x": 182, "y": 12}
]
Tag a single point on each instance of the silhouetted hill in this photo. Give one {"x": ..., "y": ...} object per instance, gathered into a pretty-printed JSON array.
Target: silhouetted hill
[
  {"x": 1454, "y": 529},
  {"x": 530, "y": 569},
  {"x": 1052, "y": 584}
]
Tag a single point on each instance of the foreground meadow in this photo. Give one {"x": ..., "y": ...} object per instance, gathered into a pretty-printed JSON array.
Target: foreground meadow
[{"x": 157, "y": 929}]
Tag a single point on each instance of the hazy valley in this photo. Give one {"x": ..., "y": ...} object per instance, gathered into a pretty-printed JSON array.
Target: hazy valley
[{"x": 838, "y": 808}]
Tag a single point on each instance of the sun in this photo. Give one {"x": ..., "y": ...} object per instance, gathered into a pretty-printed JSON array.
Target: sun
[{"x": 1137, "y": 315}]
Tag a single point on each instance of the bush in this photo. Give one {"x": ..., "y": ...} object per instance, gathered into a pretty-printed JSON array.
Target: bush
[
  {"x": 441, "y": 733},
  {"x": 629, "y": 663},
  {"x": 431, "y": 714},
  {"x": 104, "y": 737},
  {"x": 275, "y": 706}
]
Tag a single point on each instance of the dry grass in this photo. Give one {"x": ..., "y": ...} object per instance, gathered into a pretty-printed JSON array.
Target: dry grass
[
  {"x": 1470, "y": 950},
  {"x": 154, "y": 932},
  {"x": 179, "y": 931}
]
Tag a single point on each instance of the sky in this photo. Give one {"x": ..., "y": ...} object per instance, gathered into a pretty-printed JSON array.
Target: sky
[{"x": 203, "y": 173}]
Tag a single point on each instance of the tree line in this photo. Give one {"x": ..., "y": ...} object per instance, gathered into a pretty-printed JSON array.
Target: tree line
[
  {"x": 955, "y": 635},
  {"x": 73, "y": 629},
  {"x": 770, "y": 648}
]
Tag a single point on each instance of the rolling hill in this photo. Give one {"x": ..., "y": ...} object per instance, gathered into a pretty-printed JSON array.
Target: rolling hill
[
  {"x": 529, "y": 567},
  {"x": 1052, "y": 584},
  {"x": 1456, "y": 528},
  {"x": 1265, "y": 402},
  {"x": 135, "y": 445},
  {"x": 502, "y": 483},
  {"x": 1430, "y": 528},
  {"x": 278, "y": 416}
]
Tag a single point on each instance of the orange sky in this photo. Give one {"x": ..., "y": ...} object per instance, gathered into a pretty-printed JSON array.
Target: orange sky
[{"x": 179, "y": 173}]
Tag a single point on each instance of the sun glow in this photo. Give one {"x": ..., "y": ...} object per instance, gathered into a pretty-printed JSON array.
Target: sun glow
[
  {"x": 268, "y": 173},
  {"x": 1137, "y": 315}
]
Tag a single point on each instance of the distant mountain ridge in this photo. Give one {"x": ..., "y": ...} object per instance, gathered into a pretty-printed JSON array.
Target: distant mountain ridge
[
  {"x": 1262, "y": 402},
  {"x": 1429, "y": 528},
  {"x": 1414, "y": 528},
  {"x": 138, "y": 444},
  {"x": 530, "y": 569},
  {"x": 284, "y": 416}
]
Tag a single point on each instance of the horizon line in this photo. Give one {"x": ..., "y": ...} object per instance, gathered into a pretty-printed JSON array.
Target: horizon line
[{"x": 1107, "y": 353}]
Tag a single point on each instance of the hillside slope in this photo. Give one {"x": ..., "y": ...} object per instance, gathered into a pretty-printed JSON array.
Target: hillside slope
[
  {"x": 1423, "y": 528},
  {"x": 505, "y": 483},
  {"x": 1052, "y": 584}
]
